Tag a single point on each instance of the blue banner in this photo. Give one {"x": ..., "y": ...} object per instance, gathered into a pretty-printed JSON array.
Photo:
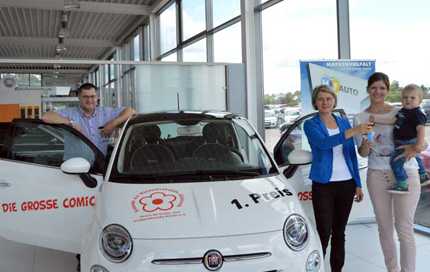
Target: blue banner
[{"x": 348, "y": 78}]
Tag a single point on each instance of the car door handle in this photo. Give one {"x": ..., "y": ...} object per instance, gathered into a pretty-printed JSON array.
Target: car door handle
[{"x": 4, "y": 184}]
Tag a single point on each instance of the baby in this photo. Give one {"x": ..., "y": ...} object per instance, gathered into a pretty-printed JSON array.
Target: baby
[{"x": 409, "y": 128}]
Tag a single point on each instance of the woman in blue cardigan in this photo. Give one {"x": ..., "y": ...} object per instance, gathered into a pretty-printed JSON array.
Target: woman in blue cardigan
[{"x": 334, "y": 172}]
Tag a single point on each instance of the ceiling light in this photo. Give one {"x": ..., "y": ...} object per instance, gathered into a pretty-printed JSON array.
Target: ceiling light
[
  {"x": 62, "y": 33},
  {"x": 60, "y": 48},
  {"x": 64, "y": 16},
  {"x": 71, "y": 5}
]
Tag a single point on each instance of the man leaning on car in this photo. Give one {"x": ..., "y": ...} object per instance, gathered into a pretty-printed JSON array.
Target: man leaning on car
[{"x": 97, "y": 123}]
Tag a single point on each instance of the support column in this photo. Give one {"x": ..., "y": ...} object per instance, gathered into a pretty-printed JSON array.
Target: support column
[
  {"x": 343, "y": 38},
  {"x": 253, "y": 60}
]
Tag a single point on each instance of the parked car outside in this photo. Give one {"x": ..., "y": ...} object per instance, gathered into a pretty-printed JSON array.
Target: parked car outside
[
  {"x": 270, "y": 119},
  {"x": 291, "y": 115},
  {"x": 425, "y": 106},
  {"x": 183, "y": 191}
]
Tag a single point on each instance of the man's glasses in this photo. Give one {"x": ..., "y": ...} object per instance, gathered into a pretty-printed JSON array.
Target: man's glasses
[{"x": 89, "y": 96}]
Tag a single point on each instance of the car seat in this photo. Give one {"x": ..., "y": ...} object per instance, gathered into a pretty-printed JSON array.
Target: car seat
[
  {"x": 152, "y": 152},
  {"x": 214, "y": 148}
]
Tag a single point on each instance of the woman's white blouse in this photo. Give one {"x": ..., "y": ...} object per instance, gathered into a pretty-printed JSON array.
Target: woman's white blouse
[{"x": 340, "y": 169}]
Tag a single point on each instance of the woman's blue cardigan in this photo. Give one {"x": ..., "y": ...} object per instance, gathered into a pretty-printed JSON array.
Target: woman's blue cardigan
[{"x": 322, "y": 149}]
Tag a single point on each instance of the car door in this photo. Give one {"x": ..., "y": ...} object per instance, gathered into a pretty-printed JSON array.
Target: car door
[
  {"x": 293, "y": 155},
  {"x": 39, "y": 204}
]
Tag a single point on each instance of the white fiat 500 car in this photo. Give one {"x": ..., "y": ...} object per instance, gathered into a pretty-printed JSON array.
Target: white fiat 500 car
[{"x": 184, "y": 191}]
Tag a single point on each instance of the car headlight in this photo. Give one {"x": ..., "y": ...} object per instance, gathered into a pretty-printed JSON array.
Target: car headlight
[
  {"x": 313, "y": 263},
  {"x": 296, "y": 233},
  {"x": 116, "y": 243},
  {"x": 98, "y": 268}
]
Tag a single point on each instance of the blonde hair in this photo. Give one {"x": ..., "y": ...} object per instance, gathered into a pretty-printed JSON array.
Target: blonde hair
[
  {"x": 322, "y": 89},
  {"x": 413, "y": 87}
]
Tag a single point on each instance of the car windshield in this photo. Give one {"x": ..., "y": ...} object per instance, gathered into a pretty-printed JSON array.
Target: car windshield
[
  {"x": 292, "y": 113},
  {"x": 269, "y": 113},
  {"x": 190, "y": 150}
]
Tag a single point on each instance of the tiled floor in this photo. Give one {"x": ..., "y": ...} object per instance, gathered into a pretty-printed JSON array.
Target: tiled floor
[{"x": 363, "y": 252}]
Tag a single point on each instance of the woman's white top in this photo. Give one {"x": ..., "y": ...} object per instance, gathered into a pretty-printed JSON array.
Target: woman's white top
[
  {"x": 340, "y": 169},
  {"x": 382, "y": 143}
]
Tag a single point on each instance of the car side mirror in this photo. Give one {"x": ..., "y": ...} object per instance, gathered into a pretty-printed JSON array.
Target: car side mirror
[
  {"x": 295, "y": 159},
  {"x": 81, "y": 167},
  {"x": 299, "y": 157},
  {"x": 76, "y": 166}
]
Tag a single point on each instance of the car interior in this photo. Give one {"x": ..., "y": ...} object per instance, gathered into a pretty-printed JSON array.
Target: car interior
[{"x": 216, "y": 144}]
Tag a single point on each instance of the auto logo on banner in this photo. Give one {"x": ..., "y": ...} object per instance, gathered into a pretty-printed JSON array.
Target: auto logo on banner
[{"x": 157, "y": 203}]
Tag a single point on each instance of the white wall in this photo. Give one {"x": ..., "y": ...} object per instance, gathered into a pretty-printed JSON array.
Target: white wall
[{"x": 26, "y": 97}]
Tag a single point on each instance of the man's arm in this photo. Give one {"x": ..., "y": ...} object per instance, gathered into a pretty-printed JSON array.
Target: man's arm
[
  {"x": 52, "y": 117},
  {"x": 110, "y": 126}
]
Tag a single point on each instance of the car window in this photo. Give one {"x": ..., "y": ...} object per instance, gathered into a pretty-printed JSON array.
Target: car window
[
  {"x": 201, "y": 150},
  {"x": 47, "y": 145},
  {"x": 295, "y": 139},
  {"x": 4, "y": 129}
]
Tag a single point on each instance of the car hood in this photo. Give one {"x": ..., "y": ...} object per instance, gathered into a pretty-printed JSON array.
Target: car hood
[{"x": 202, "y": 209}]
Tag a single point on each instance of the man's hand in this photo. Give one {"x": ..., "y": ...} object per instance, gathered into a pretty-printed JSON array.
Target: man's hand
[{"x": 108, "y": 129}]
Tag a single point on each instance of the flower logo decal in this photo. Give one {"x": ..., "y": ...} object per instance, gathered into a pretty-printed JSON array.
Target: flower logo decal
[{"x": 158, "y": 201}]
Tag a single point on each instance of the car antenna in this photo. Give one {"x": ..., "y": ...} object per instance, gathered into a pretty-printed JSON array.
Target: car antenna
[{"x": 177, "y": 99}]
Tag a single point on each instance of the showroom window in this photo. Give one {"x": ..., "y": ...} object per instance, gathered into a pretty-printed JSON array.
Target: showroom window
[
  {"x": 170, "y": 58},
  {"x": 136, "y": 48},
  {"x": 231, "y": 51},
  {"x": 293, "y": 31},
  {"x": 200, "y": 31},
  {"x": 398, "y": 45},
  {"x": 193, "y": 18},
  {"x": 225, "y": 10},
  {"x": 386, "y": 40},
  {"x": 312, "y": 34},
  {"x": 167, "y": 20},
  {"x": 195, "y": 52},
  {"x": 24, "y": 80}
]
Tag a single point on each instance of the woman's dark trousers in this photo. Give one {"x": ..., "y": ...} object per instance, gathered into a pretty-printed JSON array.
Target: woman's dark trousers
[{"x": 332, "y": 204}]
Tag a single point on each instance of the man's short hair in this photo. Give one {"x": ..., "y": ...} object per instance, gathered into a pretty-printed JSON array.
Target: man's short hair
[{"x": 86, "y": 86}]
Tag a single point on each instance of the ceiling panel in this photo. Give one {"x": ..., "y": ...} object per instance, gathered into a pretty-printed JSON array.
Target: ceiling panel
[
  {"x": 136, "y": 2},
  {"x": 29, "y": 30}
]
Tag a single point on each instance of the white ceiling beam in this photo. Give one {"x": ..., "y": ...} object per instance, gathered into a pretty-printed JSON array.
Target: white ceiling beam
[
  {"x": 92, "y": 62},
  {"x": 64, "y": 70},
  {"x": 39, "y": 4},
  {"x": 158, "y": 5},
  {"x": 97, "y": 7},
  {"x": 36, "y": 41},
  {"x": 113, "y": 8},
  {"x": 131, "y": 29}
]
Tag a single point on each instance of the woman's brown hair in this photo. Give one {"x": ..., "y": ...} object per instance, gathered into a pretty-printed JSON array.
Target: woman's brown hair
[{"x": 378, "y": 76}]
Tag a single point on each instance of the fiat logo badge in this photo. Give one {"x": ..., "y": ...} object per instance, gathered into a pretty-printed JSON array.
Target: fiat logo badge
[{"x": 213, "y": 260}]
